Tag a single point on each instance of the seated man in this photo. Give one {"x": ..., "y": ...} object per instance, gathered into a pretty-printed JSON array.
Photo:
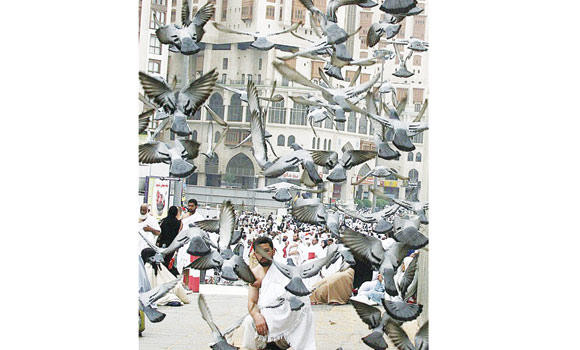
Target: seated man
[
  {"x": 373, "y": 290},
  {"x": 279, "y": 327}
]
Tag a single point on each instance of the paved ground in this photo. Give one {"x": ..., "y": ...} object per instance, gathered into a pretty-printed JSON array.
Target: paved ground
[{"x": 183, "y": 327}]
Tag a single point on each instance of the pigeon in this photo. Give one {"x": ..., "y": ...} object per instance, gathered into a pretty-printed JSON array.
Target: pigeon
[
  {"x": 244, "y": 94},
  {"x": 401, "y": 8},
  {"x": 147, "y": 299},
  {"x": 175, "y": 153},
  {"x": 282, "y": 190},
  {"x": 308, "y": 159},
  {"x": 231, "y": 265},
  {"x": 350, "y": 158},
  {"x": 200, "y": 243},
  {"x": 376, "y": 322},
  {"x": 370, "y": 249},
  {"x": 211, "y": 145},
  {"x": 384, "y": 151},
  {"x": 184, "y": 38},
  {"x": 179, "y": 103},
  {"x": 377, "y": 30},
  {"x": 179, "y": 241},
  {"x": 220, "y": 342},
  {"x": 312, "y": 211},
  {"x": 418, "y": 208},
  {"x": 408, "y": 278},
  {"x": 382, "y": 225},
  {"x": 401, "y": 339},
  {"x": 333, "y": 5},
  {"x": 297, "y": 273},
  {"x": 407, "y": 232},
  {"x": 418, "y": 45},
  {"x": 381, "y": 171},
  {"x": 402, "y": 71},
  {"x": 403, "y": 130},
  {"x": 260, "y": 40}
]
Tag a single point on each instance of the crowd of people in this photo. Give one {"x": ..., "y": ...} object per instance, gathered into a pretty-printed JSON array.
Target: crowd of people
[{"x": 292, "y": 243}]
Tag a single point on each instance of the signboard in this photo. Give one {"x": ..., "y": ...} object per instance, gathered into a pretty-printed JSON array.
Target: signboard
[
  {"x": 158, "y": 197},
  {"x": 383, "y": 183}
]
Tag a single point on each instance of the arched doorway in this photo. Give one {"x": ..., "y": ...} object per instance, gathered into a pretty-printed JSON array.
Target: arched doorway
[
  {"x": 212, "y": 176},
  {"x": 412, "y": 192},
  {"x": 360, "y": 189},
  {"x": 240, "y": 172}
]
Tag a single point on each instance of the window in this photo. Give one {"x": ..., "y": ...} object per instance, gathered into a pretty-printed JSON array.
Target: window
[
  {"x": 419, "y": 27},
  {"x": 298, "y": 114},
  {"x": 417, "y": 107},
  {"x": 160, "y": 16},
  {"x": 277, "y": 113},
  {"x": 362, "y": 126},
  {"x": 224, "y": 77},
  {"x": 173, "y": 16},
  {"x": 235, "y": 109},
  {"x": 351, "y": 127},
  {"x": 216, "y": 137},
  {"x": 154, "y": 45},
  {"x": 216, "y": 103},
  {"x": 324, "y": 147},
  {"x": 318, "y": 143},
  {"x": 410, "y": 156},
  {"x": 225, "y": 63},
  {"x": 154, "y": 66},
  {"x": 224, "y": 9},
  {"x": 340, "y": 126},
  {"x": 281, "y": 13},
  {"x": 329, "y": 142},
  {"x": 259, "y": 79},
  {"x": 291, "y": 140},
  {"x": 270, "y": 12},
  {"x": 280, "y": 140},
  {"x": 194, "y": 135},
  {"x": 418, "y": 157},
  {"x": 328, "y": 123},
  {"x": 249, "y": 77},
  {"x": 417, "y": 138},
  {"x": 159, "y": 2},
  {"x": 313, "y": 142},
  {"x": 260, "y": 64},
  {"x": 243, "y": 79}
]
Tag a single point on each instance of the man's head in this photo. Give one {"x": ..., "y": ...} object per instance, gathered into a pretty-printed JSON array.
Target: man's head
[
  {"x": 265, "y": 244},
  {"x": 314, "y": 240},
  {"x": 295, "y": 237},
  {"x": 380, "y": 277},
  {"x": 191, "y": 206}
]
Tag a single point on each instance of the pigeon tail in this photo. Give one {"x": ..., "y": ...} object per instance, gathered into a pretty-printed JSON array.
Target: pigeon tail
[
  {"x": 338, "y": 174},
  {"x": 179, "y": 126},
  {"x": 389, "y": 281},
  {"x": 402, "y": 141},
  {"x": 402, "y": 311},
  {"x": 297, "y": 287},
  {"x": 412, "y": 237},
  {"x": 295, "y": 303},
  {"x": 386, "y": 152},
  {"x": 282, "y": 195},
  {"x": 383, "y": 226},
  {"x": 333, "y": 71},
  {"x": 339, "y": 116},
  {"x": 375, "y": 340},
  {"x": 189, "y": 47},
  {"x": 228, "y": 273},
  {"x": 223, "y": 345},
  {"x": 181, "y": 168},
  {"x": 198, "y": 247},
  {"x": 153, "y": 315},
  {"x": 311, "y": 169},
  {"x": 423, "y": 217}
]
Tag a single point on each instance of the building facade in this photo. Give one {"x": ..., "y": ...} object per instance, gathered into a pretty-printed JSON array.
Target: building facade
[{"x": 236, "y": 62}]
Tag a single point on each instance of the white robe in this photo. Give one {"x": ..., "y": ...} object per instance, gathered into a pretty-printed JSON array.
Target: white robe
[
  {"x": 183, "y": 258},
  {"x": 296, "y": 327}
]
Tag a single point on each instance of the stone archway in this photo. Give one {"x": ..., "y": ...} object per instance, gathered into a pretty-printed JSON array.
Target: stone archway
[{"x": 240, "y": 172}]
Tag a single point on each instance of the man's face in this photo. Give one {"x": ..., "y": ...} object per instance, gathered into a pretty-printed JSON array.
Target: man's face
[
  {"x": 314, "y": 241},
  {"x": 268, "y": 250},
  {"x": 191, "y": 207},
  {"x": 295, "y": 237},
  {"x": 143, "y": 210}
]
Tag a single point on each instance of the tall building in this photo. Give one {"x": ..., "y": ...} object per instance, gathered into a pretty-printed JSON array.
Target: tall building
[{"x": 236, "y": 62}]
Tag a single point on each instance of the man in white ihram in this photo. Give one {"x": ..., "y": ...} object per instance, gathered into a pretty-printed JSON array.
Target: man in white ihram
[{"x": 279, "y": 327}]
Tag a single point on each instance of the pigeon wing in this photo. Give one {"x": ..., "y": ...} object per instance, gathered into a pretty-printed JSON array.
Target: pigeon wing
[
  {"x": 144, "y": 120},
  {"x": 408, "y": 276},
  {"x": 322, "y": 157},
  {"x": 243, "y": 270},
  {"x": 312, "y": 267},
  {"x": 293, "y": 75},
  {"x": 226, "y": 221},
  {"x": 206, "y": 314},
  {"x": 199, "y": 90},
  {"x": 156, "y": 89},
  {"x": 179, "y": 241},
  {"x": 149, "y": 152},
  {"x": 286, "y": 270},
  {"x": 213, "y": 260},
  {"x": 185, "y": 13},
  {"x": 398, "y": 336},
  {"x": 368, "y": 314},
  {"x": 306, "y": 213},
  {"x": 358, "y": 157},
  {"x": 191, "y": 148},
  {"x": 422, "y": 337},
  {"x": 225, "y": 29},
  {"x": 203, "y": 15},
  {"x": 215, "y": 116},
  {"x": 209, "y": 225},
  {"x": 292, "y": 28},
  {"x": 158, "y": 292},
  {"x": 366, "y": 248}
]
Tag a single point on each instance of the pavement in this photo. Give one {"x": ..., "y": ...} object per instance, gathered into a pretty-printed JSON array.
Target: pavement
[{"x": 183, "y": 327}]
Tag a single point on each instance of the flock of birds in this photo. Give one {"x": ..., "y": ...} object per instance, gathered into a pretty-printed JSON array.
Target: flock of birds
[{"x": 172, "y": 106}]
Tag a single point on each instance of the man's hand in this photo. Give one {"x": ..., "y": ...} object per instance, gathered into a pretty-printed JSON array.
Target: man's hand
[
  {"x": 148, "y": 228},
  {"x": 261, "y": 326}
]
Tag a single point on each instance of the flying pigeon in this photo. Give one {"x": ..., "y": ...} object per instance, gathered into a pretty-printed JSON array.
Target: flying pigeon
[
  {"x": 184, "y": 38},
  {"x": 350, "y": 158},
  {"x": 401, "y": 339},
  {"x": 377, "y": 30},
  {"x": 282, "y": 190},
  {"x": 260, "y": 40},
  {"x": 147, "y": 299},
  {"x": 179, "y": 103},
  {"x": 376, "y": 322},
  {"x": 407, "y": 232},
  {"x": 175, "y": 153},
  {"x": 381, "y": 171},
  {"x": 220, "y": 342},
  {"x": 418, "y": 208}
]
